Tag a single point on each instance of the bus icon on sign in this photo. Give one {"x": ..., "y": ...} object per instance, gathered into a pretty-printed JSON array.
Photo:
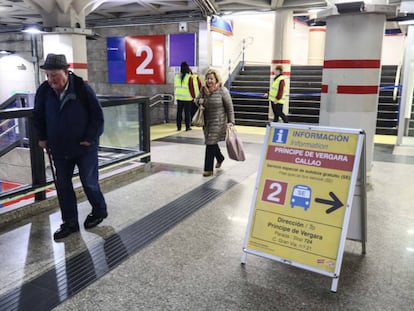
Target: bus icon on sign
[{"x": 301, "y": 196}]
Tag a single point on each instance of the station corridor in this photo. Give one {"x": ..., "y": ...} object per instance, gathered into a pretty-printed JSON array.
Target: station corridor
[{"x": 173, "y": 241}]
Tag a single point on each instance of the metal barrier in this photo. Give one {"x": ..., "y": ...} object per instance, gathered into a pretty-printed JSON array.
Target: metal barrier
[
  {"x": 164, "y": 99},
  {"x": 125, "y": 117}
]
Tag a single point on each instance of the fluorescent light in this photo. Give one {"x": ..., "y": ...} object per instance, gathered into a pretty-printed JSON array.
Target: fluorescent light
[
  {"x": 33, "y": 29},
  {"x": 315, "y": 10},
  {"x": 6, "y": 52}
]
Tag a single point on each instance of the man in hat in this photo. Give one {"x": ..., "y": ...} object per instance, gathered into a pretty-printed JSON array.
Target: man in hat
[{"x": 69, "y": 121}]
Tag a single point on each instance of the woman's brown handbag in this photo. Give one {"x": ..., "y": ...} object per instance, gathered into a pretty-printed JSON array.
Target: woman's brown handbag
[{"x": 198, "y": 118}]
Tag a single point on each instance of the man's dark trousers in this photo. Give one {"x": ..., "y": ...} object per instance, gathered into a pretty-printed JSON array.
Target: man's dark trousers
[{"x": 87, "y": 164}]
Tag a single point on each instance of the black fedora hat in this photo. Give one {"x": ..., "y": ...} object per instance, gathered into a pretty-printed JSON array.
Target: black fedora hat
[{"x": 55, "y": 61}]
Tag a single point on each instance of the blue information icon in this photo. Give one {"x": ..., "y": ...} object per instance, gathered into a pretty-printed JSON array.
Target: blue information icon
[{"x": 280, "y": 136}]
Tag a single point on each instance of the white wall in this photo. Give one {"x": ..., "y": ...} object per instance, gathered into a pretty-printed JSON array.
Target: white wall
[
  {"x": 16, "y": 76},
  {"x": 257, "y": 29},
  {"x": 300, "y": 44},
  {"x": 392, "y": 50}
]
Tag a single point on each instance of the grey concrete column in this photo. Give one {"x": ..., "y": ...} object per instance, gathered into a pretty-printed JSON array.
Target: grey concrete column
[
  {"x": 282, "y": 47},
  {"x": 72, "y": 45},
  {"x": 64, "y": 23},
  {"x": 316, "y": 45},
  {"x": 351, "y": 73}
]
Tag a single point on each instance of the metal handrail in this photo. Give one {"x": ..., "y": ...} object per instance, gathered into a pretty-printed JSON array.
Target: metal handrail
[
  {"x": 234, "y": 62},
  {"x": 8, "y": 129},
  {"x": 397, "y": 81},
  {"x": 14, "y": 98},
  {"x": 161, "y": 99},
  {"x": 4, "y": 123}
]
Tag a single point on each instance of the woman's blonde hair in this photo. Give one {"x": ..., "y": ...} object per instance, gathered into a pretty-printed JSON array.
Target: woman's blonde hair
[{"x": 216, "y": 75}]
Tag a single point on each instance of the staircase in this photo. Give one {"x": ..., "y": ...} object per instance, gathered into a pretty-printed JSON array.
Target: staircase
[
  {"x": 305, "y": 97},
  {"x": 304, "y": 100},
  {"x": 251, "y": 110},
  {"x": 411, "y": 122},
  {"x": 387, "y": 116}
]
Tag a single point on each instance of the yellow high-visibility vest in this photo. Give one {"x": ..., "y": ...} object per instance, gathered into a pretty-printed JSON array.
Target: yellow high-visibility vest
[
  {"x": 195, "y": 83},
  {"x": 181, "y": 89},
  {"x": 275, "y": 88}
]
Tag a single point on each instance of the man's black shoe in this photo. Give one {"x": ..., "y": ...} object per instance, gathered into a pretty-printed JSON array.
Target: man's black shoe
[
  {"x": 92, "y": 221},
  {"x": 65, "y": 230}
]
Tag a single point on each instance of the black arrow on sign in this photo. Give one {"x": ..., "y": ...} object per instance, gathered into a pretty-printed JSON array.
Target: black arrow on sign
[{"x": 335, "y": 202}]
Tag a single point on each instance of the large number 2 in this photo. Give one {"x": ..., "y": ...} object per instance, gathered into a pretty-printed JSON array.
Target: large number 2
[
  {"x": 141, "y": 69},
  {"x": 273, "y": 195}
]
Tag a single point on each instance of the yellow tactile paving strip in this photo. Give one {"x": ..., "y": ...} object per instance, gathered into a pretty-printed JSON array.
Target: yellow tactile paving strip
[{"x": 167, "y": 129}]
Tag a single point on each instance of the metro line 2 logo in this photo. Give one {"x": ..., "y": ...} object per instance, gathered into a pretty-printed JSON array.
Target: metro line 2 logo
[{"x": 280, "y": 136}]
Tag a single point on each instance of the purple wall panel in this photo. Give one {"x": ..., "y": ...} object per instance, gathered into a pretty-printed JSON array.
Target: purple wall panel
[{"x": 182, "y": 48}]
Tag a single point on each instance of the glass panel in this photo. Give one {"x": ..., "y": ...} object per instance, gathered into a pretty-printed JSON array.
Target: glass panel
[
  {"x": 121, "y": 127},
  {"x": 15, "y": 158},
  {"x": 121, "y": 140}
]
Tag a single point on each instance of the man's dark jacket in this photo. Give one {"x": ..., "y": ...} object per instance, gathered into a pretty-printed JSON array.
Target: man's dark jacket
[{"x": 65, "y": 123}]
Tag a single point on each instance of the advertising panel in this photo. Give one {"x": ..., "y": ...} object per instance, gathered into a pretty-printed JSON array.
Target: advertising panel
[{"x": 182, "y": 47}]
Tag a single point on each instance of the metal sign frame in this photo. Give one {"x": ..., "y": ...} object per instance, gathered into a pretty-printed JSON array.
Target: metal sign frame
[{"x": 267, "y": 238}]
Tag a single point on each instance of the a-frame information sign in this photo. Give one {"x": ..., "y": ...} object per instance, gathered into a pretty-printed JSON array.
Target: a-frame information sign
[{"x": 303, "y": 196}]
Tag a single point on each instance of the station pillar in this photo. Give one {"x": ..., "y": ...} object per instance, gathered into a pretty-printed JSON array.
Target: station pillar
[
  {"x": 316, "y": 45},
  {"x": 66, "y": 33},
  {"x": 351, "y": 73},
  {"x": 73, "y": 46},
  {"x": 283, "y": 28}
]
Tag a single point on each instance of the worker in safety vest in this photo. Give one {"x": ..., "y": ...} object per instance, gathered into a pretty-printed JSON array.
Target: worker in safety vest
[
  {"x": 277, "y": 95},
  {"x": 185, "y": 93},
  {"x": 195, "y": 88}
]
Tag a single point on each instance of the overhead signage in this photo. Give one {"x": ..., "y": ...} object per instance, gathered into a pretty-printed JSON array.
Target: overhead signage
[
  {"x": 221, "y": 25},
  {"x": 136, "y": 59}
]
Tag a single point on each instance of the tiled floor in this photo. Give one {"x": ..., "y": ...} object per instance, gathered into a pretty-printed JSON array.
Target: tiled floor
[{"x": 194, "y": 264}]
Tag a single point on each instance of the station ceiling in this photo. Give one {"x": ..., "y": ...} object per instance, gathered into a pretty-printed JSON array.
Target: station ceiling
[{"x": 15, "y": 14}]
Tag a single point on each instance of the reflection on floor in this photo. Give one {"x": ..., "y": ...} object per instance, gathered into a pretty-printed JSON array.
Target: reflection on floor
[{"x": 173, "y": 241}]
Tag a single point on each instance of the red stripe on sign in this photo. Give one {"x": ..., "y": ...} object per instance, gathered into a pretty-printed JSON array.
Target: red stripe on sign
[
  {"x": 357, "y": 89},
  {"x": 352, "y": 63},
  {"x": 317, "y": 30},
  {"x": 337, "y": 161},
  {"x": 324, "y": 88},
  {"x": 281, "y": 61},
  {"x": 78, "y": 65}
]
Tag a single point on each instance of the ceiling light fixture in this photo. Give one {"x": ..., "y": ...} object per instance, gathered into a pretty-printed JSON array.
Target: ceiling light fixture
[
  {"x": 6, "y": 52},
  {"x": 33, "y": 29}
]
